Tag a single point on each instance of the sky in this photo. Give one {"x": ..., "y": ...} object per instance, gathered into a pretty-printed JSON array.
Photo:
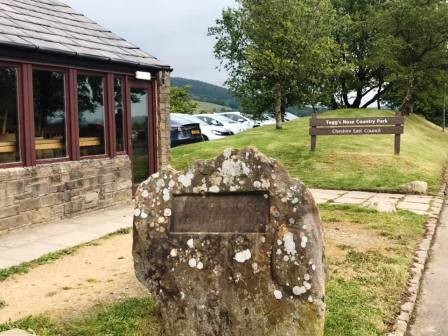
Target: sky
[{"x": 174, "y": 31}]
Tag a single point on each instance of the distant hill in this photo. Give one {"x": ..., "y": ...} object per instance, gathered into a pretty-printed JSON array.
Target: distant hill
[
  {"x": 207, "y": 92},
  {"x": 206, "y": 107}
]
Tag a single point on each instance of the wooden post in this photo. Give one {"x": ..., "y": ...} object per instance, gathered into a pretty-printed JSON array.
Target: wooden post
[
  {"x": 397, "y": 137},
  {"x": 313, "y": 137}
]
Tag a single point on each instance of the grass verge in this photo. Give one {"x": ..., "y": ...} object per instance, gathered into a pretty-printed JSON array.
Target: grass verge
[
  {"x": 369, "y": 255},
  {"x": 341, "y": 162},
  {"x": 131, "y": 317}
]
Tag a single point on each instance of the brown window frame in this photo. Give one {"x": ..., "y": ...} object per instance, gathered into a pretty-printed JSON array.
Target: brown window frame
[
  {"x": 68, "y": 125},
  {"x": 21, "y": 113},
  {"x": 125, "y": 150},
  {"x": 152, "y": 120},
  {"x": 25, "y": 100},
  {"x": 106, "y": 105}
]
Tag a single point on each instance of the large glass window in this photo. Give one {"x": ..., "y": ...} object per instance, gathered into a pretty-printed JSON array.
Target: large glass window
[
  {"x": 49, "y": 114},
  {"x": 140, "y": 144},
  {"x": 9, "y": 116},
  {"x": 119, "y": 113},
  {"x": 91, "y": 114}
]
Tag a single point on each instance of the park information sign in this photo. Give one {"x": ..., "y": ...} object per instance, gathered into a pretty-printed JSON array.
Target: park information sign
[{"x": 357, "y": 126}]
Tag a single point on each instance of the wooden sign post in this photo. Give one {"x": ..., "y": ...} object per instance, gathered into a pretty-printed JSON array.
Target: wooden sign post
[{"x": 357, "y": 126}]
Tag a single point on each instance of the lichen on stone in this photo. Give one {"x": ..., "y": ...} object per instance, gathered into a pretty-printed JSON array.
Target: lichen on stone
[
  {"x": 243, "y": 256},
  {"x": 199, "y": 277}
]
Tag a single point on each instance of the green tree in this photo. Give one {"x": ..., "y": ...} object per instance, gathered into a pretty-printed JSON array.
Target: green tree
[
  {"x": 278, "y": 53},
  {"x": 181, "y": 101},
  {"x": 417, "y": 31},
  {"x": 361, "y": 52}
]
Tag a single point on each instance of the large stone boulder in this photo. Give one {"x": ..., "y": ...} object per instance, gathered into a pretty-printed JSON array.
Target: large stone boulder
[
  {"x": 258, "y": 268},
  {"x": 415, "y": 187},
  {"x": 387, "y": 206}
]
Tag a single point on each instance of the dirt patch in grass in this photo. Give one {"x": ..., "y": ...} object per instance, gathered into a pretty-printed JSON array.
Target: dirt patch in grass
[
  {"x": 342, "y": 237},
  {"x": 69, "y": 286}
]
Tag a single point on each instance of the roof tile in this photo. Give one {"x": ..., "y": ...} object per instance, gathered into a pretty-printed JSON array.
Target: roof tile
[{"x": 54, "y": 26}]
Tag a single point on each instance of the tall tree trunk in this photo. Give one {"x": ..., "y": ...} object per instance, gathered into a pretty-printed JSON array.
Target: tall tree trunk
[
  {"x": 357, "y": 102},
  {"x": 283, "y": 109},
  {"x": 346, "y": 101},
  {"x": 380, "y": 87},
  {"x": 278, "y": 108},
  {"x": 334, "y": 104},
  {"x": 407, "y": 107}
]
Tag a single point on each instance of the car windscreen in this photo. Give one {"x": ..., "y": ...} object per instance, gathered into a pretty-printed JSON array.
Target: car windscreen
[
  {"x": 224, "y": 119},
  {"x": 235, "y": 117},
  {"x": 210, "y": 121},
  {"x": 194, "y": 119}
]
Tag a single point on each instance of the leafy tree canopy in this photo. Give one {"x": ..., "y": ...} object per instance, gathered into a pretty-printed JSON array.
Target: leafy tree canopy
[
  {"x": 343, "y": 53},
  {"x": 417, "y": 32},
  {"x": 181, "y": 101},
  {"x": 278, "y": 53}
]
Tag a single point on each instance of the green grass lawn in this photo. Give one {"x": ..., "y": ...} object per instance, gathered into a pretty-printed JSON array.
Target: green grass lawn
[
  {"x": 369, "y": 256},
  {"x": 133, "y": 317},
  {"x": 341, "y": 162}
]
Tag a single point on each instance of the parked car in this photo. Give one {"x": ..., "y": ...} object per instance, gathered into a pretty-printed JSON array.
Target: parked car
[
  {"x": 267, "y": 119},
  {"x": 209, "y": 132},
  {"x": 290, "y": 116},
  {"x": 184, "y": 132},
  {"x": 239, "y": 117},
  {"x": 219, "y": 120}
]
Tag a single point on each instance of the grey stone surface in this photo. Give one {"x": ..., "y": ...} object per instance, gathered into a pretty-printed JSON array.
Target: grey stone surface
[
  {"x": 327, "y": 193},
  {"x": 359, "y": 194},
  {"x": 72, "y": 238},
  {"x": 30, "y": 243},
  {"x": 418, "y": 199},
  {"x": 431, "y": 317},
  {"x": 422, "y": 205},
  {"x": 163, "y": 118},
  {"x": 348, "y": 200},
  {"x": 268, "y": 283},
  {"x": 386, "y": 206},
  {"x": 414, "y": 206},
  {"x": 30, "y": 252}
]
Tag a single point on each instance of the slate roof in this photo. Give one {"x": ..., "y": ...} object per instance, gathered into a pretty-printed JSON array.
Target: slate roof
[{"x": 51, "y": 25}]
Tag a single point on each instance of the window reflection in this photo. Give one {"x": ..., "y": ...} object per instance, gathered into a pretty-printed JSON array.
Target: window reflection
[
  {"x": 91, "y": 114},
  {"x": 9, "y": 116},
  {"x": 139, "y": 136},
  {"x": 119, "y": 115},
  {"x": 49, "y": 114}
]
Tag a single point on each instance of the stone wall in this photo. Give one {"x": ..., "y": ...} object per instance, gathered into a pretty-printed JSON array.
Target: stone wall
[
  {"x": 163, "y": 118},
  {"x": 44, "y": 193}
]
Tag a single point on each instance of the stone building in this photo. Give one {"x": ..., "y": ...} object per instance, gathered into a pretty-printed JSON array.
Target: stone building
[{"x": 84, "y": 114}]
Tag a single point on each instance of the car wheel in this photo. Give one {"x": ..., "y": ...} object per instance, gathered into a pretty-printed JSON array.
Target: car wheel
[{"x": 205, "y": 138}]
